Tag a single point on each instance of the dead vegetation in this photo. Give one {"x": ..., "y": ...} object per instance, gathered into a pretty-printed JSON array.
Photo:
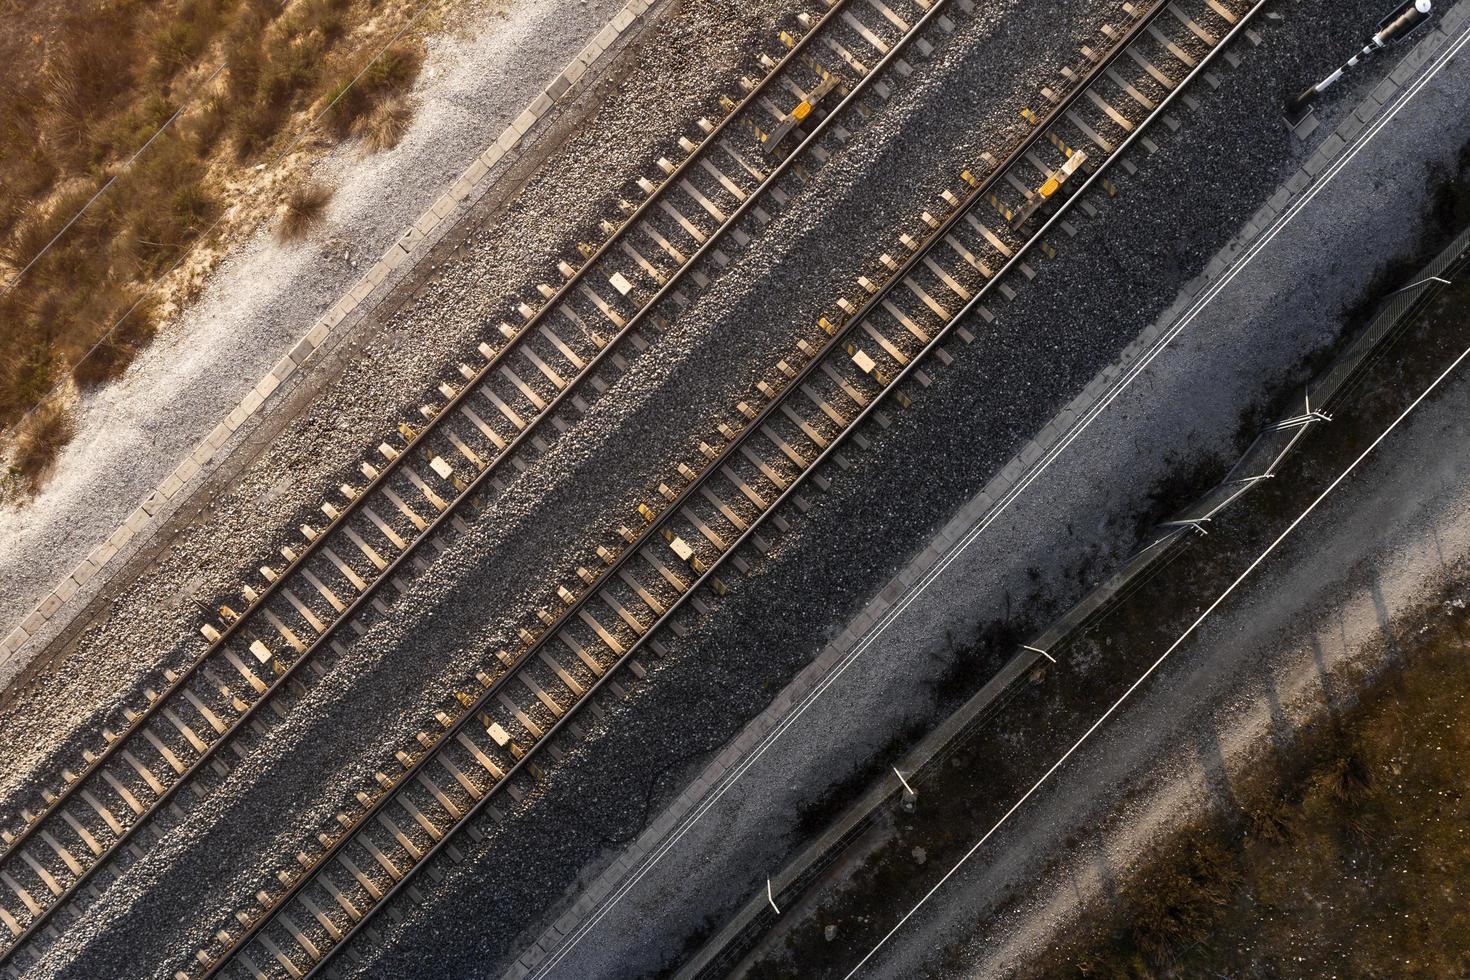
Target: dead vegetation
[
  {"x": 86, "y": 85},
  {"x": 381, "y": 127},
  {"x": 1348, "y": 850},
  {"x": 37, "y": 444},
  {"x": 304, "y": 208}
]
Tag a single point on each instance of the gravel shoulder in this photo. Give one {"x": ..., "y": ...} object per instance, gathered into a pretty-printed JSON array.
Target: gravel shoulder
[
  {"x": 470, "y": 602},
  {"x": 1287, "y": 650},
  {"x": 482, "y": 70},
  {"x": 1030, "y": 365},
  {"x": 151, "y": 621}
]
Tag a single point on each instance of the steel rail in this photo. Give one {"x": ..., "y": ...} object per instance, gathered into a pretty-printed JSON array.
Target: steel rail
[
  {"x": 754, "y": 426},
  {"x": 149, "y": 713},
  {"x": 1065, "y": 207},
  {"x": 392, "y": 466},
  {"x": 895, "y": 52},
  {"x": 796, "y": 482}
]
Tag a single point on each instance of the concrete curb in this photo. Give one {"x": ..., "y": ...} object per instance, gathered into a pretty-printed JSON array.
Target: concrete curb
[
  {"x": 663, "y": 832},
  {"x": 351, "y": 306}
]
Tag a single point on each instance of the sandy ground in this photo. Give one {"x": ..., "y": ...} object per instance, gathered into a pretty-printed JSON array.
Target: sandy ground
[
  {"x": 479, "y": 75},
  {"x": 1288, "y": 300}
]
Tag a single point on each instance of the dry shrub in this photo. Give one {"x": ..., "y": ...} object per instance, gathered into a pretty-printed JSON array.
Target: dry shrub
[
  {"x": 242, "y": 59},
  {"x": 384, "y": 125},
  {"x": 207, "y": 124},
  {"x": 112, "y": 74},
  {"x": 388, "y": 77},
  {"x": 112, "y": 355},
  {"x": 265, "y": 82},
  {"x": 41, "y": 438},
  {"x": 304, "y": 208},
  {"x": 1273, "y": 820},
  {"x": 95, "y": 65},
  {"x": 327, "y": 19},
  {"x": 28, "y": 373},
  {"x": 26, "y": 241}
]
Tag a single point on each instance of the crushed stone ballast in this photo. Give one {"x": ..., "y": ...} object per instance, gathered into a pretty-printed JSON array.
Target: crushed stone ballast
[
  {"x": 540, "y": 379},
  {"x": 745, "y": 489}
]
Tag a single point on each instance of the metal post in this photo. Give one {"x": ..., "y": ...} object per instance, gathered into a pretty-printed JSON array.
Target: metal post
[
  {"x": 1040, "y": 651},
  {"x": 1395, "y": 27},
  {"x": 1439, "y": 279}
]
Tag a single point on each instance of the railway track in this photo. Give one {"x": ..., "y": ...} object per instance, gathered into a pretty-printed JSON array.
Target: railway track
[
  {"x": 490, "y": 422},
  {"x": 877, "y": 352}
]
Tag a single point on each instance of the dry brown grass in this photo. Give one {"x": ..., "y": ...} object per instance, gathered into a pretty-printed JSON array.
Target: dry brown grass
[
  {"x": 39, "y": 441},
  {"x": 386, "y": 79},
  {"x": 304, "y": 208},
  {"x": 96, "y": 82},
  {"x": 1349, "y": 853},
  {"x": 381, "y": 127}
]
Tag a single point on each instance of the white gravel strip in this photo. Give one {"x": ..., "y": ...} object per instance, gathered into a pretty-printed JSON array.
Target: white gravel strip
[{"x": 263, "y": 298}]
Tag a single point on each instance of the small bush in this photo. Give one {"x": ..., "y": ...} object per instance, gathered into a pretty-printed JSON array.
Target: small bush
[
  {"x": 45, "y": 433},
  {"x": 391, "y": 75},
  {"x": 255, "y": 125},
  {"x": 384, "y": 125},
  {"x": 243, "y": 61},
  {"x": 304, "y": 208},
  {"x": 176, "y": 45},
  {"x": 324, "y": 18},
  {"x": 393, "y": 72},
  {"x": 207, "y": 125},
  {"x": 112, "y": 356},
  {"x": 28, "y": 375},
  {"x": 192, "y": 208},
  {"x": 290, "y": 67}
]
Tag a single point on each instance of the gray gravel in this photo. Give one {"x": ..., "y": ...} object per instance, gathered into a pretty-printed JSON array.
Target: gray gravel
[
  {"x": 1166, "y": 218},
  {"x": 445, "y": 626},
  {"x": 153, "y": 623},
  {"x": 213, "y": 863},
  {"x": 1338, "y": 603},
  {"x": 481, "y": 72}
]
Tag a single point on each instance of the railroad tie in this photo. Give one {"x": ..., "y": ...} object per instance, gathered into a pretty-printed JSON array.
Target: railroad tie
[{"x": 280, "y": 957}]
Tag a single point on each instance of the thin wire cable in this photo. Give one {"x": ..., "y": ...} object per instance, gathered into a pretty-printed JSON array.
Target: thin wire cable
[
  {"x": 1188, "y": 632},
  {"x": 15, "y": 281},
  {"x": 187, "y": 103},
  {"x": 186, "y": 252}
]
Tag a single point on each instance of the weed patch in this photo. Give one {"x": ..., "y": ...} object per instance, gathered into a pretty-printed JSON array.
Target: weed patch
[{"x": 96, "y": 89}]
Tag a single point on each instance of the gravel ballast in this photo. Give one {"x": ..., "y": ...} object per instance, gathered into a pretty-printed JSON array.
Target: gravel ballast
[
  {"x": 1165, "y": 218},
  {"x": 153, "y": 622},
  {"x": 469, "y": 602},
  {"x": 439, "y": 633},
  {"x": 482, "y": 70}
]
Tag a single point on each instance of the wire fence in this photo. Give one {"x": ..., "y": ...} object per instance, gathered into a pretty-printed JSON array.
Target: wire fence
[{"x": 1260, "y": 461}]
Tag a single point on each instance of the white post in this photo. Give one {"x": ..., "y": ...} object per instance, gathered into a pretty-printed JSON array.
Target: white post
[
  {"x": 1040, "y": 651},
  {"x": 906, "y": 787}
]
